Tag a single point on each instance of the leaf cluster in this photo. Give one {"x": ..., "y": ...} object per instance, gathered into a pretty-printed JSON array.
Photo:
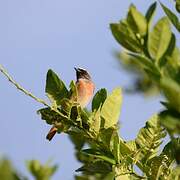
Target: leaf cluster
[
  {"x": 158, "y": 44},
  {"x": 107, "y": 155},
  {"x": 152, "y": 51}
]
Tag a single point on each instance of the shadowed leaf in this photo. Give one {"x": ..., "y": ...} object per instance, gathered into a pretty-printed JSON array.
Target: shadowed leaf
[
  {"x": 55, "y": 88},
  {"x": 99, "y": 99},
  {"x": 150, "y": 12},
  {"x": 173, "y": 18}
]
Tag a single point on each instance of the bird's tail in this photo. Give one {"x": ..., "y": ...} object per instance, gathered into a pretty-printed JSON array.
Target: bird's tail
[{"x": 51, "y": 133}]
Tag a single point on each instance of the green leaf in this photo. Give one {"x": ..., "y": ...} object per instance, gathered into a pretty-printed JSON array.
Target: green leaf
[
  {"x": 173, "y": 18},
  {"x": 175, "y": 174},
  {"x": 144, "y": 61},
  {"x": 125, "y": 36},
  {"x": 149, "y": 16},
  {"x": 132, "y": 147},
  {"x": 50, "y": 115},
  {"x": 7, "y": 172},
  {"x": 129, "y": 176},
  {"x": 123, "y": 171},
  {"x": 105, "y": 137},
  {"x": 99, "y": 99},
  {"x": 172, "y": 150},
  {"x": 137, "y": 21},
  {"x": 159, "y": 39},
  {"x": 115, "y": 146},
  {"x": 97, "y": 176},
  {"x": 109, "y": 176},
  {"x": 150, "y": 12},
  {"x": 178, "y": 6},
  {"x": 99, "y": 155},
  {"x": 171, "y": 90},
  {"x": 96, "y": 167},
  {"x": 77, "y": 139},
  {"x": 73, "y": 91},
  {"x": 110, "y": 110},
  {"x": 149, "y": 139},
  {"x": 55, "y": 88},
  {"x": 169, "y": 51},
  {"x": 171, "y": 68},
  {"x": 43, "y": 172},
  {"x": 95, "y": 121},
  {"x": 159, "y": 166},
  {"x": 171, "y": 120},
  {"x": 147, "y": 65},
  {"x": 66, "y": 106}
]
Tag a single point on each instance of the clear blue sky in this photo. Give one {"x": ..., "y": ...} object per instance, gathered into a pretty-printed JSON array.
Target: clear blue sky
[{"x": 36, "y": 35}]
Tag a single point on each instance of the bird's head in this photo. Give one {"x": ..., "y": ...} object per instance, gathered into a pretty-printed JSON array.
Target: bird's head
[{"x": 82, "y": 74}]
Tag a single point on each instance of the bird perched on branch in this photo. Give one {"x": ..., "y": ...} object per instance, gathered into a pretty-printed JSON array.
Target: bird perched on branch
[{"x": 85, "y": 89}]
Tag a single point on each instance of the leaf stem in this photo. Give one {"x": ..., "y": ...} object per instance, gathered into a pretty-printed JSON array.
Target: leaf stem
[{"x": 20, "y": 87}]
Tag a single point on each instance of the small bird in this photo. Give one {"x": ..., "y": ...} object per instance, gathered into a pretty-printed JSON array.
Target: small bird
[{"x": 85, "y": 90}]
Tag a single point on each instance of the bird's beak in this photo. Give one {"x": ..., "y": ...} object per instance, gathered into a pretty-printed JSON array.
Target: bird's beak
[{"x": 76, "y": 69}]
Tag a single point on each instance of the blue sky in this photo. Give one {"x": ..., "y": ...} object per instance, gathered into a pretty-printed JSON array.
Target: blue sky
[{"x": 37, "y": 35}]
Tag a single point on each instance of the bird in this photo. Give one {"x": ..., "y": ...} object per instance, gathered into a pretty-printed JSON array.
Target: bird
[{"x": 85, "y": 90}]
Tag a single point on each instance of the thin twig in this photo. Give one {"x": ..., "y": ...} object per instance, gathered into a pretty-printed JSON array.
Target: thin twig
[{"x": 20, "y": 87}]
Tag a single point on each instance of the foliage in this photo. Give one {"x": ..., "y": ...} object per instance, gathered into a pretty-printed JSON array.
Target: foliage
[
  {"x": 152, "y": 45},
  {"x": 108, "y": 155},
  {"x": 40, "y": 172},
  {"x": 8, "y": 172},
  {"x": 157, "y": 56},
  {"x": 150, "y": 51}
]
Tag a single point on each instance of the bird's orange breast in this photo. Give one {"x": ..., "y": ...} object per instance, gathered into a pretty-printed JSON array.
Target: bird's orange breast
[{"x": 85, "y": 90}]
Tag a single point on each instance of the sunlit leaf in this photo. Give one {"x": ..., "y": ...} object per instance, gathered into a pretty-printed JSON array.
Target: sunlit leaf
[
  {"x": 169, "y": 51},
  {"x": 159, "y": 39},
  {"x": 137, "y": 21},
  {"x": 149, "y": 139},
  {"x": 175, "y": 174},
  {"x": 159, "y": 166},
  {"x": 95, "y": 119},
  {"x": 115, "y": 146},
  {"x": 111, "y": 108}
]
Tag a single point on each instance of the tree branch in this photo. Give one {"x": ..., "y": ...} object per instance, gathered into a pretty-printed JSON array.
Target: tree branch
[{"x": 20, "y": 87}]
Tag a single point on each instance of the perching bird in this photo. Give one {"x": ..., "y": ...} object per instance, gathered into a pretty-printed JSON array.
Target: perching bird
[{"x": 85, "y": 90}]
